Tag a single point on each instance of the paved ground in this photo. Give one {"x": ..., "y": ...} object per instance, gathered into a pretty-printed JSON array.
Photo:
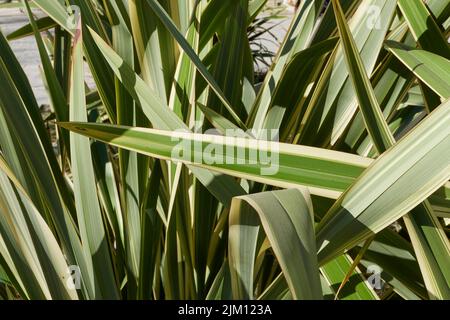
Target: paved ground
[
  {"x": 25, "y": 50},
  {"x": 278, "y": 27},
  {"x": 28, "y": 56}
]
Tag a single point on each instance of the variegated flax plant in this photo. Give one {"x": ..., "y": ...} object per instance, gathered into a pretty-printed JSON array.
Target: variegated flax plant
[{"x": 166, "y": 170}]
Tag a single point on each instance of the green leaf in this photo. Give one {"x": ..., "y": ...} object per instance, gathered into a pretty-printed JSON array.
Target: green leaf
[
  {"x": 430, "y": 68},
  {"x": 397, "y": 182},
  {"x": 383, "y": 140},
  {"x": 229, "y": 66},
  {"x": 42, "y": 24},
  {"x": 368, "y": 104},
  {"x": 287, "y": 221},
  {"x": 133, "y": 167},
  {"x": 57, "y": 96},
  {"x": 171, "y": 27},
  {"x": 334, "y": 101},
  {"x": 101, "y": 74},
  {"x": 297, "y": 39},
  {"x": 155, "y": 47},
  {"x": 324, "y": 172},
  {"x": 23, "y": 87},
  {"x": 432, "y": 250},
  {"x": 424, "y": 27},
  {"x": 89, "y": 215},
  {"x": 395, "y": 256},
  {"x": 335, "y": 272},
  {"x": 25, "y": 154},
  {"x": 151, "y": 229},
  {"x": 4, "y": 279},
  {"x": 27, "y": 244},
  {"x": 298, "y": 76},
  {"x": 278, "y": 290},
  {"x": 162, "y": 117},
  {"x": 58, "y": 13}
]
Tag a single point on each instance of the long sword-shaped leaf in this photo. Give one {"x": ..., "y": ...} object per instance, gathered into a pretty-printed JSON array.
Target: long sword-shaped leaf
[
  {"x": 58, "y": 13},
  {"x": 31, "y": 165},
  {"x": 30, "y": 242},
  {"x": 162, "y": 117},
  {"x": 35, "y": 164},
  {"x": 133, "y": 167},
  {"x": 151, "y": 231},
  {"x": 383, "y": 140},
  {"x": 229, "y": 65},
  {"x": 287, "y": 220},
  {"x": 423, "y": 20},
  {"x": 428, "y": 35},
  {"x": 59, "y": 101},
  {"x": 324, "y": 172},
  {"x": 334, "y": 102},
  {"x": 357, "y": 289},
  {"x": 391, "y": 83},
  {"x": 373, "y": 117},
  {"x": 297, "y": 78},
  {"x": 397, "y": 182},
  {"x": 183, "y": 87},
  {"x": 43, "y": 24},
  {"x": 424, "y": 28},
  {"x": 396, "y": 257},
  {"x": 102, "y": 75},
  {"x": 89, "y": 215},
  {"x": 297, "y": 39},
  {"x": 155, "y": 48},
  {"x": 430, "y": 68},
  {"x": 171, "y": 27},
  {"x": 432, "y": 250},
  {"x": 48, "y": 261}
]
